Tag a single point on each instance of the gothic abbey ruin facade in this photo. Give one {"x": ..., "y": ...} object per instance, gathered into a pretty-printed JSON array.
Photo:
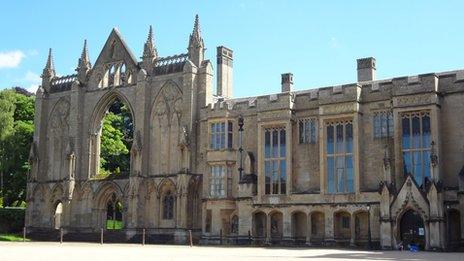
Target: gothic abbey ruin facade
[{"x": 377, "y": 161}]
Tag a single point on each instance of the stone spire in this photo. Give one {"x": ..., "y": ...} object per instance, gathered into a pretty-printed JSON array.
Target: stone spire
[
  {"x": 84, "y": 64},
  {"x": 149, "y": 50},
  {"x": 48, "y": 72},
  {"x": 84, "y": 61},
  {"x": 196, "y": 48}
]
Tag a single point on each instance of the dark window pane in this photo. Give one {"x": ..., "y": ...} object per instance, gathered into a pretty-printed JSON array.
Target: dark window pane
[
  {"x": 330, "y": 139},
  {"x": 426, "y": 157},
  {"x": 349, "y": 138},
  {"x": 426, "y": 132},
  {"x": 330, "y": 175},
  {"x": 275, "y": 177},
  {"x": 339, "y": 144},
  {"x": 407, "y": 163},
  {"x": 275, "y": 143},
  {"x": 282, "y": 143},
  {"x": 340, "y": 172},
  {"x": 349, "y": 174},
  {"x": 267, "y": 144},
  {"x": 416, "y": 143},
  {"x": 406, "y": 133},
  {"x": 283, "y": 176}
]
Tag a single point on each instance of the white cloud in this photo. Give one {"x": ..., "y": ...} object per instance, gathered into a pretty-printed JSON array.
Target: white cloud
[
  {"x": 11, "y": 59},
  {"x": 31, "y": 81}
]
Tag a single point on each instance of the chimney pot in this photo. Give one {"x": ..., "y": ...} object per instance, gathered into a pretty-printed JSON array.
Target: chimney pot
[
  {"x": 287, "y": 82},
  {"x": 366, "y": 69}
]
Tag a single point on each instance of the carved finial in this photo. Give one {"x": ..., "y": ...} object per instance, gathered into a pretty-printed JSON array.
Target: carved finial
[
  {"x": 196, "y": 27},
  {"x": 149, "y": 49},
  {"x": 49, "y": 70},
  {"x": 84, "y": 61},
  {"x": 196, "y": 46}
]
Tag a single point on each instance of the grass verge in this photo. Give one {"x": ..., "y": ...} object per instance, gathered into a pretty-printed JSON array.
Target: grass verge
[{"x": 12, "y": 237}]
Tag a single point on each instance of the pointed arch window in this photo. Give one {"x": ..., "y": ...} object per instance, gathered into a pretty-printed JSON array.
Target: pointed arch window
[
  {"x": 114, "y": 211},
  {"x": 168, "y": 205}
]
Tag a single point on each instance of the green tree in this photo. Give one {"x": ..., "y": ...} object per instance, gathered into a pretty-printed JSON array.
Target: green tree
[
  {"x": 15, "y": 141},
  {"x": 116, "y": 140}
]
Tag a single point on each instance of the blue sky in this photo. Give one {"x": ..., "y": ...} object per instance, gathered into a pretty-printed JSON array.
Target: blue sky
[{"x": 318, "y": 41}]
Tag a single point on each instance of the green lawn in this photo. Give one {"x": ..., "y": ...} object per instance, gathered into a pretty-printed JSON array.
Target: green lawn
[
  {"x": 114, "y": 224},
  {"x": 11, "y": 237}
]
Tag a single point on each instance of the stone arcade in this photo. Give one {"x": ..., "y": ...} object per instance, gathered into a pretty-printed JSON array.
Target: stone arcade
[{"x": 376, "y": 161}]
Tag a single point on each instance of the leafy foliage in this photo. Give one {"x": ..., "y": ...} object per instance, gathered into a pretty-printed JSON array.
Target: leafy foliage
[
  {"x": 16, "y": 131},
  {"x": 116, "y": 140}
]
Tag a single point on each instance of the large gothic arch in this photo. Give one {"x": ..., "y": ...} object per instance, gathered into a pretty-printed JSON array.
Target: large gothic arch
[{"x": 95, "y": 127}]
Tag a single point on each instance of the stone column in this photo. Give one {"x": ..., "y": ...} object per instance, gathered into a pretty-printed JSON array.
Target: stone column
[
  {"x": 353, "y": 230},
  {"x": 329, "y": 228},
  {"x": 287, "y": 226},
  {"x": 268, "y": 229},
  {"x": 308, "y": 230}
]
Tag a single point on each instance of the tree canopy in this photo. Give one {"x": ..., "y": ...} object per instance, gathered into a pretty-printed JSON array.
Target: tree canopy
[
  {"x": 116, "y": 140},
  {"x": 16, "y": 131}
]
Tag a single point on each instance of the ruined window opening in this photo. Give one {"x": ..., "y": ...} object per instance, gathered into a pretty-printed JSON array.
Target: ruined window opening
[{"x": 114, "y": 140}]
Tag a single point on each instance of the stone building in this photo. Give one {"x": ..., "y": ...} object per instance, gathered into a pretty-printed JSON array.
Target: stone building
[{"x": 377, "y": 161}]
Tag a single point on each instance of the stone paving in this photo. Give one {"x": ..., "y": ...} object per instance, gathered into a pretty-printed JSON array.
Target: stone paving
[{"x": 12, "y": 251}]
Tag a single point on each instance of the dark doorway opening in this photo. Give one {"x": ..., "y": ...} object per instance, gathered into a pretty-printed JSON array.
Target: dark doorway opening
[{"x": 412, "y": 229}]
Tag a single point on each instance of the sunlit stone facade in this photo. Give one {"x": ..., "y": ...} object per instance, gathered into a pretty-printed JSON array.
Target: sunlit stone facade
[{"x": 351, "y": 164}]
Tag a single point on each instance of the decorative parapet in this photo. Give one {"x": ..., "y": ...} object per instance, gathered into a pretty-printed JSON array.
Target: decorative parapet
[
  {"x": 170, "y": 64},
  {"x": 61, "y": 84}
]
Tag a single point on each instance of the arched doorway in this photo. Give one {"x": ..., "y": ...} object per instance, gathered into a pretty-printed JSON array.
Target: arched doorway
[
  {"x": 259, "y": 224},
  {"x": 317, "y": 227},
  {"x": 276, "y": 226},
  {"x": 412, "y": 229},
  {"x": 299, "y": 226},
  {"x": 57, "y": 215},
  {"x": 361, "y": 222},
  {"x": 114, "y": 211},
  {"x": 342, "y": 226}
]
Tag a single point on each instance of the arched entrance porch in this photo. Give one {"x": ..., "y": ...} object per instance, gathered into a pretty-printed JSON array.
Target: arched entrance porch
[{"x": 412, "y": 229}]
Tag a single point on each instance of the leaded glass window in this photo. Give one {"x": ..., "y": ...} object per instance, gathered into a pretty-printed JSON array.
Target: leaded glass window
[
  {"x": 383, "y": 124},
  {"x": 416, "y": 144},
  {"x": 275, "y": 160},
  {"x": 217, "y": 181},
  {"x": 221, "y": 135},
  {"x": 339, "y": 153},
  {"x": 307, "y": 131}
]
